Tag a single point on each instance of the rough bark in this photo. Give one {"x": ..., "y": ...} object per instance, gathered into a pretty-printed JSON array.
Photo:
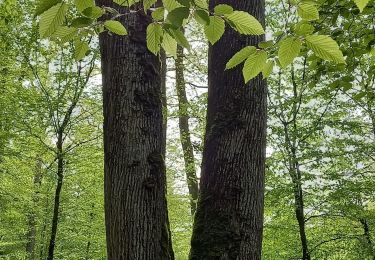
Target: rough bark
[
  {"x": 31, "y": 234},
  {"x": 135, "y": 182},
  {"x": 183, "y": 116},
  {"x": 229, "y": 218}
]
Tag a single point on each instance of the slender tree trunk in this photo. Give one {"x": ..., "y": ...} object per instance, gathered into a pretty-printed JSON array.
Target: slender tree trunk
[
  {"x": 135, "y": 181},
  {"x": 43, "y": 247},
  {"x": 367, "y": 235},
  {"x": 56, "y": 206},
  {"x": 296, "y": 177},
  {"x": 364, "y": 223},
  {"x": 294, "y": 168},
  {"x": 299, "y": 209},
  {"x": 229, "y": 218},
  {"x": 88, "y": 245},
  {"x": 183, "y": 116},
  {"x": 163, "y": 74},
  {"x": 31, "y": 234}
]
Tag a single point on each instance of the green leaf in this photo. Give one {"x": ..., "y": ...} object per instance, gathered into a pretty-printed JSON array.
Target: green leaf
[
  {"x": 325, "y": 48},
  {"x": 81, "y": 22},
  {"x": 303, "y": 28},
  {"x": 177, "y": 16},
  {"x": 266, "y": 44},
  {"x": 359, "y": 96},
  {"x": 245, "y": 23},
  {"x": 254, "y": 65},
  {"x": 202, "y": 17},
  {"x": 125, "y": 2},
  {"x": 93, "y": 12},
  {"x": 289, "y": 49},
  {"x": 184, "y": 2},
  {"x": 171, "y": 4},
  {"x": 115, "y": 27},
  {"x": 240, "y": 56},
  {"x": 169, "y": 44},
  {"x": 158, "y": 14},
  {"x": 51, "y": 19},
  {"x": 215, "y": 29},
  {"x": 361, "y": 4},
  {"x": 81, "y": 48},
  {"x": 223, "y": 9},
  {"x": 307, "y": 10},
  {"x": 179, "y": 37},
  {"x": 65, "y": 33},
  {"x": 83, "y": 4},
  {"x": 201, "y": 4},
  {"x": 267, "y": 69},
  {"x": 154, "y": 37},
  {"x": 44, "y": 5},
  {"x": 148, "y": 3}
]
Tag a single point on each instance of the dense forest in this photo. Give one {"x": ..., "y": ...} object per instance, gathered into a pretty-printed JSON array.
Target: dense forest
[{"x": 187, "y": 129}]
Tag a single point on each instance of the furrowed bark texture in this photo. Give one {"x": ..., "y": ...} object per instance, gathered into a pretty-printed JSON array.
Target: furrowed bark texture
[
  {"x": 183, "y": 116},
  {"x": 229, "y": 218},
  {"x": 135, "y": 181}
]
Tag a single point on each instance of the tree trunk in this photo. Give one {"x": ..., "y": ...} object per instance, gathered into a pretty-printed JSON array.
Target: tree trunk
[
  {"x": 42, "y": 245},
  {"x": 296, "y": 176},
  {"x": 163, "y": 74},
  {"x": 56, "y": 206},
  {"x": 229, "y": 218},
  {"x": 135, "y": 182},
  {"x": 31, "y": 234},
  {"x": 183, "y": 116},
  {"x": 88, "y": 245},
  {"x": 367, "y": 235},
  {"x": 299, "y": 209}
]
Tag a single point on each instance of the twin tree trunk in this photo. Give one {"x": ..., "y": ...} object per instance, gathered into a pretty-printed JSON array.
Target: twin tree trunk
[
  {"x": 135, "y": 182},
  {"x": 229, "y": 218}
]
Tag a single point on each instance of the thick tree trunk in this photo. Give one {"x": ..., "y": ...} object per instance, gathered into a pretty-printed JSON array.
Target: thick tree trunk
[
  {"x": 135, "y": 181},
  {"x": 31, "y": 234},
  {"x": 56, "y": 206},
  {"x": 183, "y": 116},
  {"x": 229, "y": 218}
]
